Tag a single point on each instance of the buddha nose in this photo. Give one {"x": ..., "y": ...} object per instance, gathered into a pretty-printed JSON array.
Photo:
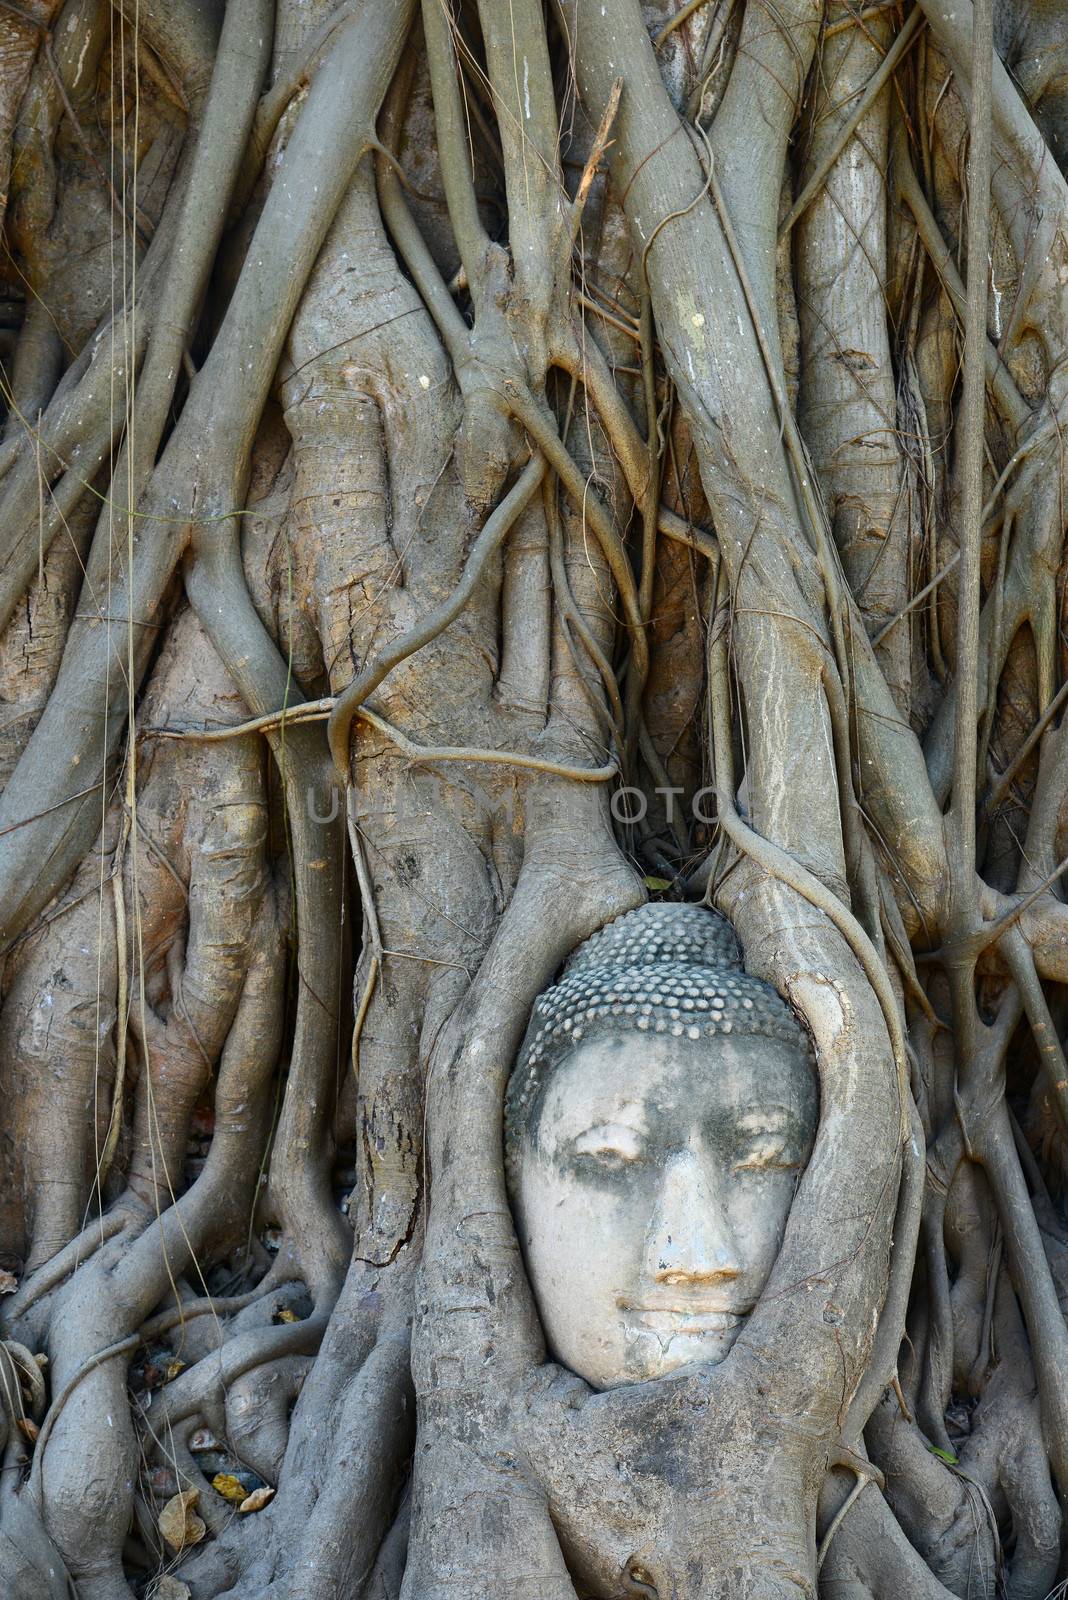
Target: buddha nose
[{"x": 690, "y": 1238}]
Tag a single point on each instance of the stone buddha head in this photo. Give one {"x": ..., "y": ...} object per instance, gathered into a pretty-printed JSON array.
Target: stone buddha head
[{"x": 659, "y": 1115}]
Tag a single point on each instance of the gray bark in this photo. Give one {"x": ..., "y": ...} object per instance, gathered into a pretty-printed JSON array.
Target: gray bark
[{"x": 422, "y": 425}]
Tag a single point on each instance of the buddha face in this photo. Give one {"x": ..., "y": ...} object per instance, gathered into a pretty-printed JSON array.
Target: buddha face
[{"x": 653, "y": 1186}]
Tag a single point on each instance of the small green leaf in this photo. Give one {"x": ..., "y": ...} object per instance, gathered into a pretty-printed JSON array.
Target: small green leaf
[
  {"x": 943, "y": 1455},
  {"x": 658, "y": 883}
]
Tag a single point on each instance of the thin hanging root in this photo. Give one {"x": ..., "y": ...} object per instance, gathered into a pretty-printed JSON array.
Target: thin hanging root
[
  {"x": 917, "y": 599},
  {"x": 370, "y": 912},
  {"x": 840, "y": 603},
  {"x": 1002, "y": 783},
  {"x": 272, "y": 722},
  {"x": 112, "y": 1352},
  {"x": 506, "y": 758},
  {"x": 319, "y": 710},
  {"x": 451, "y": 126},
  {"x": 849, "y": 127},
  {"x": 406, "y": 236},
  {"x": 858, "y": 19},
  {"x": 589, "y": 367},
  {"x": 111, "y": 1139},
  {"x": 572, "y": 621},
  {"x": 777, "y": 864},
  {"x": 682, "y": 15},
  {"x": 1001, "y": 383},
  {"x": 60, "y": 1266},
  {"x": 541, "y": 426},
  {"x": 882, "y": 1363},
  {"x": 1021, "y": 964},
  {"x": 596, "y": 156},
  {"x": 963, "y": 905},
  {"x": 865, "y": 1474},
  {"x": 273, "y": 104},
  {"x": 986, "y": 934},
  {"x": 496, "y": 529}
]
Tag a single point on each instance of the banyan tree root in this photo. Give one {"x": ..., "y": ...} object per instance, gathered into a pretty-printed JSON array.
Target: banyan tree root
[{"x": 636, "y": 433}]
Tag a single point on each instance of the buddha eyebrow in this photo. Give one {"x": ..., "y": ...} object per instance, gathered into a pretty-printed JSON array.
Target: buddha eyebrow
[
  {"x": 607, "y": 1126},
  {"x": 611, "y": 1124},
  {"x": 768, "y": 1119}
]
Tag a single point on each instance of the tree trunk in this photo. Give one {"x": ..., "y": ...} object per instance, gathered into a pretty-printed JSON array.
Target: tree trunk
[{"x": 469, "y": 468}]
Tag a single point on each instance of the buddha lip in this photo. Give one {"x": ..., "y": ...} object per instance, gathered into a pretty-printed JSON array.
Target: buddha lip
[{"x": 682, "y": 1319}]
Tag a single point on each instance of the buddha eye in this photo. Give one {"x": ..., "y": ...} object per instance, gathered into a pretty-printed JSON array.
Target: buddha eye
[
  {"x": 610, "y": 1145},
  {"x": 765, "y": 1140},
  {"x": 765, "y": 1152}
]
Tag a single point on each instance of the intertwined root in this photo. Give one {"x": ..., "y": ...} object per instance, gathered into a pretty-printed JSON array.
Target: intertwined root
[{"x": 560, "y": 404}]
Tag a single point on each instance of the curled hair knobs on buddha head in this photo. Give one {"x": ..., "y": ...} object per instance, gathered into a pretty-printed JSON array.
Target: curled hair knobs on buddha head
[{"x": 665, "y": 968}]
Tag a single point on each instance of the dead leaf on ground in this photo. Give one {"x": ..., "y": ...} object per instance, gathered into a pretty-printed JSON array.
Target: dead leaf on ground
[
  {"x": 168, "y": 1588},
  {"x": 229, "y": 1487},
  {"x": 8, "y": 1282},
  {"x": 178, "y": 1521},
  {"x": 256, "y": 1500},
  {"x": 28, "y": 1429}
]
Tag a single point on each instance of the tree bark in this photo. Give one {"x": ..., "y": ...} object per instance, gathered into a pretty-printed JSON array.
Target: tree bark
[{"x": 466, "y": 469}]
